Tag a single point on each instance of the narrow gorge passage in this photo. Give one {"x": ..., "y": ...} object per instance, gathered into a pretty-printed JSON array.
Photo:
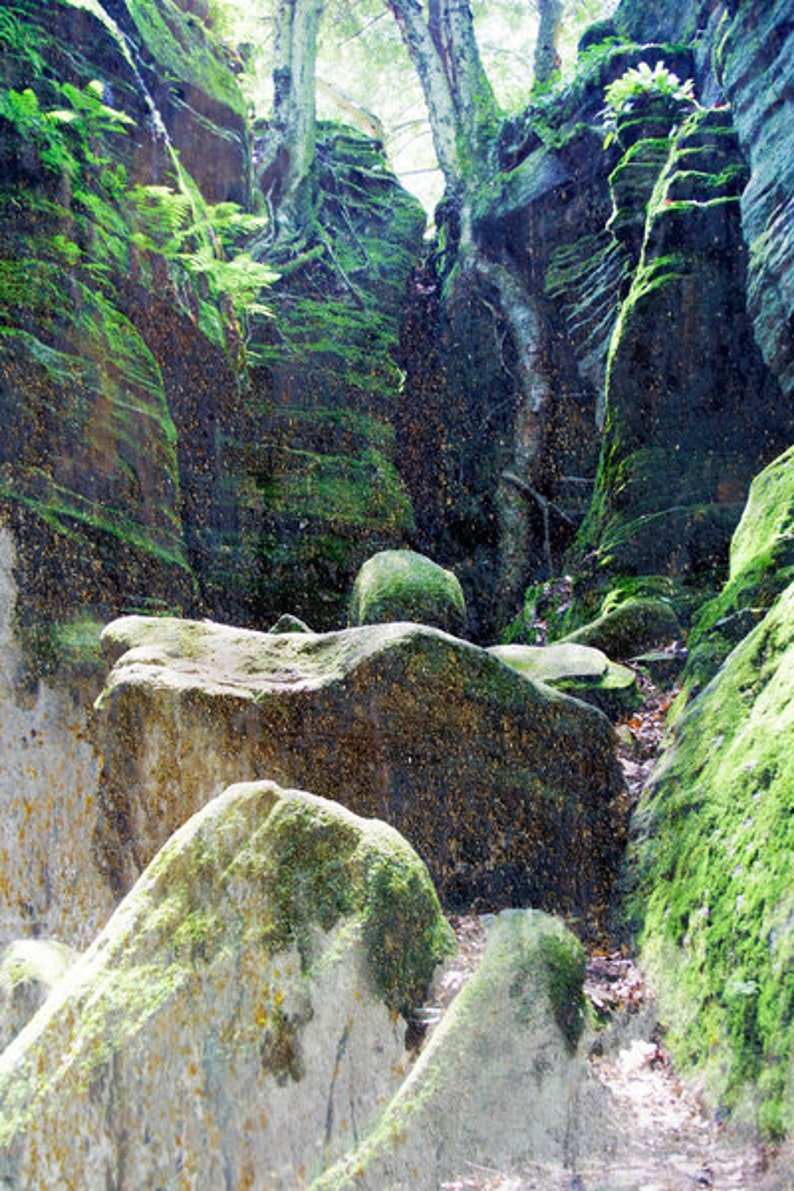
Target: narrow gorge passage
[{"x": 670, "y": 1139}]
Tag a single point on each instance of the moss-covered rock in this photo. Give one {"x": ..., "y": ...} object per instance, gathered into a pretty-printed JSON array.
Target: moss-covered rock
[
  {"x": 761, "y": 567},
  {"x": 579, "y": 670},
  {"x": 630, "y": 628},
  {"x": 510, "y": 791},
  {"x": 402, "y": 585},
  {"x": 493, "y": 1087},
  {"x": 91, "y": 482},
  {"x": 177, "y": 447},
  {"x": 227, "y": 1018},
  {"x": 321, "y": 490},
  {"x": 29, "y": 970},
  {"x": 713, "y": 867},
  {"x": 692, "y": 413}
]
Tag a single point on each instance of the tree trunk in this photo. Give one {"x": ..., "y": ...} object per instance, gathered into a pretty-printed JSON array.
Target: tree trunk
[
  {"x": 286, "y": 154},
  {"x": 547, "y": 57},
  {"x": 460, "y": 101},
  {"x": 521, "y": 504},
  {"x": 464, "y": 120}
]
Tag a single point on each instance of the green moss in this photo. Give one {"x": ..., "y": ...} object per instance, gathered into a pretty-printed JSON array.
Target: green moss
[
  {"x": 183, "y": 46},
  {"x": 629, "y": 628},
  {"x": 715, "y": 895},
  {"x": 761, "y": 568},
  {"x": 403, "y": 585},
  {"x": 564, "y": 958},
  {"x": 255, "y": 874}
]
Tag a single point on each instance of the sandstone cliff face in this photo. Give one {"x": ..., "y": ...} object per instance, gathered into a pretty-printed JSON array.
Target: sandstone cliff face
[
  {"x": 692, "y": 414},
  {"x": 687, "y": 363},
  {"x": 165, "y": 446},
  {"x": 745, "y": 50}
]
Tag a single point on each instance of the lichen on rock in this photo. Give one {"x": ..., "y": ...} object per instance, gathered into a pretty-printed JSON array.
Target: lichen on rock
[
  {"x": 509, "y": 791},
  {"x": 498, "y": 1078},
  {"x": 253, "y": 966}
]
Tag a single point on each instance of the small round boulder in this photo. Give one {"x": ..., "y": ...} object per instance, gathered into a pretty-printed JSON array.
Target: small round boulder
[{"x": 402, "y": 585}]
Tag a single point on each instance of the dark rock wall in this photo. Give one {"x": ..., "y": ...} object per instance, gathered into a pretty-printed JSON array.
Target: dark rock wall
[
  {"x": 168, "y": 445},
  {"x": 660, "y": 268},
  {"x": 692, "y": 412}
]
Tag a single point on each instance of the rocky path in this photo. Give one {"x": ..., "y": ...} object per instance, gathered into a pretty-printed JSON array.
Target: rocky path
[{"x": 669, "y": 1140}]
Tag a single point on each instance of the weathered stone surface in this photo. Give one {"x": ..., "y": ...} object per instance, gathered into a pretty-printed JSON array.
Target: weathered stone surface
[
  {"x": 49, "y": 882},
  {"x": 402, "y": 585},
  {"x": 579, "y": 670},
  {"x": 237, "y": 1018},
  {"x": 500, "y": 1085},
  {"x": 713, "y": 863},
  {"x": 510, "y": 792},
  {"x": 29, "y": 970},
  {"x": 692, "y": 412},
  {"x": 630, "y": 628},
  {"x": 758, "y": 58}
]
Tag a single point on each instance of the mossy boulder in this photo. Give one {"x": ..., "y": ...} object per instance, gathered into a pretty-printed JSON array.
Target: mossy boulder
[
  {"x": 761, "y": 568},
  {"x": 713, "y": 865},
  {"x": 238, "y": 1014},
  {"x": 629, "y": 628},
  {"x": 510, "y": 791},
  {"x": 493, "y": 1087},
  {"x": 578, "y": 670},
  {"x": 403, "y": 585}
]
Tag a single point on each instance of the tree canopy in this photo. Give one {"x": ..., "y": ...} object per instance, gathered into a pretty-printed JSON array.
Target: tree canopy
[{"x": 364, "y": 74}]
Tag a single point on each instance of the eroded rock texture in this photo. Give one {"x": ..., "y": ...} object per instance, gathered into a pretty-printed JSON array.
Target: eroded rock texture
[
  {"x": 516, "y": 1025},
  {"x": 692, "y": 414},
  {"x": 510, "y": 792},
  {"x": 237, "y": 1019}
]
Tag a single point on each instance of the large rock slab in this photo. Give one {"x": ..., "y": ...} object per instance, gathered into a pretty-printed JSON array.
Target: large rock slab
[
  {"x": 509, "y": 791},
  {"x": 238, "y": 1016}
]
